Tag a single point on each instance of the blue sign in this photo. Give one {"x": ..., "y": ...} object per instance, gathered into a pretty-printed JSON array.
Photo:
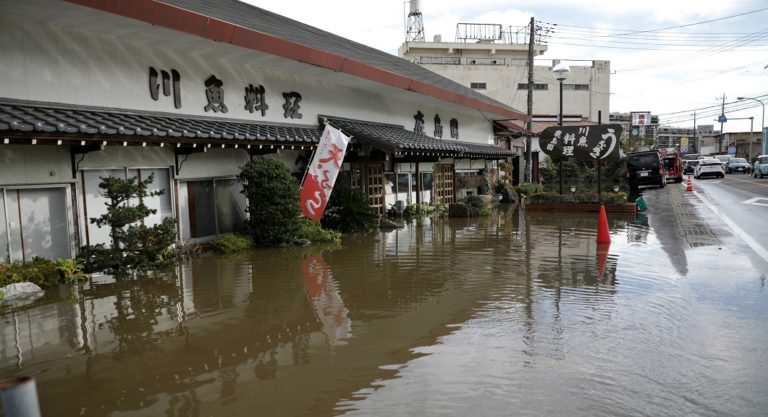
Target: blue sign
[{"x": 722, "y": 118}]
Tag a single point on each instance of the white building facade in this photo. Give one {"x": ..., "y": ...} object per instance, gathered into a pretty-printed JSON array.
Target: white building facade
[
  {"x": 494, "y": 62},
  {"x": 188, "y": 95}
]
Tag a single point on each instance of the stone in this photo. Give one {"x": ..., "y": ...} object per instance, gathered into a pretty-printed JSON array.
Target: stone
[
  {"x": 22, "y": 291},
  {"x": 302, "y": 242}
]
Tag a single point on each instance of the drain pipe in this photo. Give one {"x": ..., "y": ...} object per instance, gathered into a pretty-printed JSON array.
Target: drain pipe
[{"x": 18, "y": 396}]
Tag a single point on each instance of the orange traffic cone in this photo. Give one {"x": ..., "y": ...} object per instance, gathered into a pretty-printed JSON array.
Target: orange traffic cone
[
  {"x": 602, "y": 257},
  {"x": 603, "y": 234},
  {"x": 690, "y": 184}
]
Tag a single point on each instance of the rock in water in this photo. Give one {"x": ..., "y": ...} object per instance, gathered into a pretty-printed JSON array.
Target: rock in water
[{"x": 22, "y": 291}]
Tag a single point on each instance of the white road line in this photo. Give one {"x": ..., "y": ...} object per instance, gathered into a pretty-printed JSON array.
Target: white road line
[
  {"x": 762, "y": 184},
  {"x": 754, "y": 201},
  {"x": 759, "y": 249}
]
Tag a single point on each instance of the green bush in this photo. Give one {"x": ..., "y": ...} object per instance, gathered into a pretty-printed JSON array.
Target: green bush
[
  {"x": 529, "y": 188},
  {"x": 349, "y": 211},
  {"x": 71, "y": 271},
  {"x": 232, "y": 243},
  {"x": 39, "y": 271},
  {"x": 273, "y": 202},
  {"x": 315, "y": 233},
  {"x": 546, "y": 198},
  {"x": 424, "y": 209},
  {"x": 475, "y": 201}
]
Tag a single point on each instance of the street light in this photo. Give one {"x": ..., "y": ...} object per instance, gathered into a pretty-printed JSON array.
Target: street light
[
  {"x": 762, "y": 131},
  {"x": 560, "y": 71}
]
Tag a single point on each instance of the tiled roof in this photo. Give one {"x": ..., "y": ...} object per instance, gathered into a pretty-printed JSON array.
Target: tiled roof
[
  {"x": 398, "y": 139},
  {"x": 57, "y": 120}
]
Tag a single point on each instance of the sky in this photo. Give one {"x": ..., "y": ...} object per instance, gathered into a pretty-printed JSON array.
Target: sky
[{"x": 673, "y": 58}]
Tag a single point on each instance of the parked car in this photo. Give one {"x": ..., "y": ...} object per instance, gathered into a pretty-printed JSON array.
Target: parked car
[
  {"x": 724, "y": 160},
  {"x": 645, "y": 168},
  {"x": 761, "y": 166},
  {"x": 690, "y": 166},
  {"x": 738, "y": 165},
  {"x": 709, "y": 167}
]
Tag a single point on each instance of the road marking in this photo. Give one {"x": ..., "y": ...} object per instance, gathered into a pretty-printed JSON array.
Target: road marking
[
  {"x": 762, "y": 184},
  {"x": 754, "y": 201},
  {"x": 735, "y": 228}
]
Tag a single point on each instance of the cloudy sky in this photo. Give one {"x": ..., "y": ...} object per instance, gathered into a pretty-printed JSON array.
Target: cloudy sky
[{"x": 670, "y": 57}]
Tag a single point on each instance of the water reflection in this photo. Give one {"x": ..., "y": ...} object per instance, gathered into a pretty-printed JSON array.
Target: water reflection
[{"x": 428, "y": 311}]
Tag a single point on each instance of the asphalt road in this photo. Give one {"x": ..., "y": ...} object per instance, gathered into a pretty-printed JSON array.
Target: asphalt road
[{"x": 741, "y": 201}]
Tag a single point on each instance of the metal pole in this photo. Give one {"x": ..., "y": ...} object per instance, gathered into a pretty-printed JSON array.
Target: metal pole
[
  {"x": 528, "y": 174},
  {"x": 560, "y": 123},
  {"x": 751, "y": 132},
  {"x": 19, "y": 397}
]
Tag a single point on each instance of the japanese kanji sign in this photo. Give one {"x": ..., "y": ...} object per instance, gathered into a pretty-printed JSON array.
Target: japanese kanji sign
[
  {"x": 598, "y": 142},
  {"x": 322, "y": 172}
]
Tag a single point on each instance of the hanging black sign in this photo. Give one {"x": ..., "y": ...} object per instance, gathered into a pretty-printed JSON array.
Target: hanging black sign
[{"x": 597, "y": 142}]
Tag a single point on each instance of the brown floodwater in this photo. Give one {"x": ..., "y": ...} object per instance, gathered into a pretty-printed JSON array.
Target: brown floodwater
[{"x": 514, "y": 314}]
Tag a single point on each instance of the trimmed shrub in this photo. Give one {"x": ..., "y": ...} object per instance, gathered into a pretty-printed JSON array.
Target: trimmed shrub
[
  {"x": 273, "y": 202},
  {"x": 528, "y": 189},
  {"x": 475, "y": 201},
  {"x": 39, "y": 271},
  {"x": 232, "y": 243},
  {"x": 315, "y": 233}
]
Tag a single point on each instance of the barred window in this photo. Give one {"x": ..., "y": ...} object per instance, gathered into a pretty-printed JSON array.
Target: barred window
[
  {"x": 477, "y": 86},
  {"x": 536, "y": 86},
  {"x": 577, "y": 87}
]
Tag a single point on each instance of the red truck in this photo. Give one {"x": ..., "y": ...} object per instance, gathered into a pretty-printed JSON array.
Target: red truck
[{"x": 673, "y": 164}]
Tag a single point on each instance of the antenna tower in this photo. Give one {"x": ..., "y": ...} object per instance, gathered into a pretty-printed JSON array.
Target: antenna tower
[{"x": 414, "y": 31}]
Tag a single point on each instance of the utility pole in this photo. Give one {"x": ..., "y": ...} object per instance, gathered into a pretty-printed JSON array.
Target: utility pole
[
  {"x": 528, "y": 175},
  {"x": 698, "y": 145},
  {"x": 722, "y": 120}
]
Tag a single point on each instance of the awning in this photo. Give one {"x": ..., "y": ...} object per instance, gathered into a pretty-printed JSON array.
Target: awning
[
  {"x": 35, "y": 120},
  {"x": 398, "y": 140},
  {"x": 509, "y": 127}
]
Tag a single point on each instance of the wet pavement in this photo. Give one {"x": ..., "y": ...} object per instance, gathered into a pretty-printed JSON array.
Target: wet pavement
[{"x": 519, "y": 313}]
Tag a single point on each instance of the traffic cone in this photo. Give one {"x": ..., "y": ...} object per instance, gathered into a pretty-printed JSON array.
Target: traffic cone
[
  {"x": 602, "y": 257},
  {"x": 603, "y": 234},
  {"x": 690, "y": 184}
]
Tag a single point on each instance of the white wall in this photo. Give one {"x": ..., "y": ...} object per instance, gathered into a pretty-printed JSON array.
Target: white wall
[{"x": 59, "y": 63}]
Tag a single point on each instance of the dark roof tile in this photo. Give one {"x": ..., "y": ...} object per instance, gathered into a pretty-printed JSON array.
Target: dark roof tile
[
  {"x": 48, "y": 118},
  {"x": 396, "y": 138}
]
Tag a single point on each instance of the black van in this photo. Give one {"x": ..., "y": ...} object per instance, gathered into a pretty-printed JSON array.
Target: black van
[{"x": 645, "y": 168}]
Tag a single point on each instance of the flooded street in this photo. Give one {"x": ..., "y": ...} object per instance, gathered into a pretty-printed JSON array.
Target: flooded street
[{"x": 515, "y": 314}]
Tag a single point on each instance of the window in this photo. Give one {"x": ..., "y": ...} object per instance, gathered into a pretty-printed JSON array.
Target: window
[
  {"x": 536, "y": 86},
  {"x": 215, "y": 206},
  {"x": 477, "y": 86},
  {"x": 577, "y": 87}
]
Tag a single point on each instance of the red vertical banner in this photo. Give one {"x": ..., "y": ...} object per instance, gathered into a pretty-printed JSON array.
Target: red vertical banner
[
  {"x": 323, "y": 292},
  {"x": 322, "y": 172}
]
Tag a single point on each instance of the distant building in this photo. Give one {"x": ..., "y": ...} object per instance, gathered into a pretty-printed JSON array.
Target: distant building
[{"x": 493, "y": 60}]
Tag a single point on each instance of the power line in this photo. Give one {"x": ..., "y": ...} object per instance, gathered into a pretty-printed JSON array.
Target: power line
[{"x": 669, "y": 27}]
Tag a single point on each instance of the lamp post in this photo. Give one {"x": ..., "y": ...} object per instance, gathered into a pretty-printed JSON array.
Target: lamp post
[
  {"x": 560, "y": 71},
  {"x": 762, "y": 130}
]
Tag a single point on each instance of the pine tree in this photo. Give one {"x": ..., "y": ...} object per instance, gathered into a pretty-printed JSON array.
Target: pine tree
[{"x": 134, "y": 245}]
